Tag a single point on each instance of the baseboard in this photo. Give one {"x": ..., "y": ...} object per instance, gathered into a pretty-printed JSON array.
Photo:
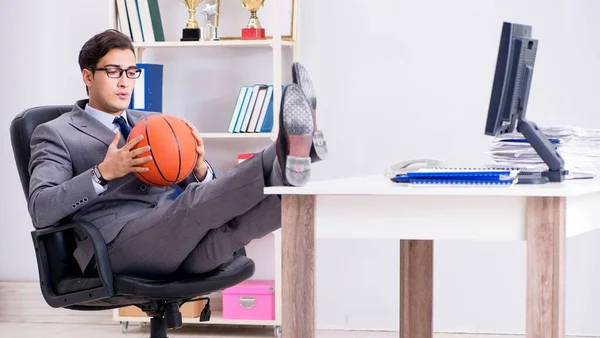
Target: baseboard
[{"x": 22, "y": 302}]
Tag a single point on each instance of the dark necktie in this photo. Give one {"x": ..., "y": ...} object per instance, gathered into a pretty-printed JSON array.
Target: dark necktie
[{"x": 125, "y": 129}]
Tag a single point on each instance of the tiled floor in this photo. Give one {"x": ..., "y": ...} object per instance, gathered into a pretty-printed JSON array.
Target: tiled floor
[{"x": 27, "y": 330}]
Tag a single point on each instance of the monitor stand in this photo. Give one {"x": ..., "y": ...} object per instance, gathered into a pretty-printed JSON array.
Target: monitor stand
[{"x": 548, "y": 153}]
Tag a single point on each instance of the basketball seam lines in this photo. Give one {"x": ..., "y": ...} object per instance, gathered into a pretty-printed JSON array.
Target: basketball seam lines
[
  {"x": 148, "y": 180},
  {"x": 178, "y": 148},
  {"x": 152, "y": 154}
]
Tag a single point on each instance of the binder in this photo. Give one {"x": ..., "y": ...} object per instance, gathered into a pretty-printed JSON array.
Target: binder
[
  {"x": 458, "y": 176},
  {"x": 147, "y": 92}
]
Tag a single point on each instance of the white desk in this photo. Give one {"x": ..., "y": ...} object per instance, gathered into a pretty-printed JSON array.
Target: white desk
[{"x": 373, "y": 207}]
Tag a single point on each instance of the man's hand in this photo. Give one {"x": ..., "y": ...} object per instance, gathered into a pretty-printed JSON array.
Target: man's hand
[
  {"x": 120, "y": 162},
  {"x": 201, "y": 168}
]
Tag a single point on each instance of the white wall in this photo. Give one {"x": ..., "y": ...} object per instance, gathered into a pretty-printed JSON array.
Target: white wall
[{"x": 396, "y": 80}]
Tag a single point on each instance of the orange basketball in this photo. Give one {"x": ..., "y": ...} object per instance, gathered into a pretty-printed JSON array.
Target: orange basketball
[{"x": 172, "y": 147}]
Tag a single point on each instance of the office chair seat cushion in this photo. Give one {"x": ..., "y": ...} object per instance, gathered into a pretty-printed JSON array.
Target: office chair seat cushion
[
  {"x": 230, "y": 273},
  {"x": 74, "y": 284},
  {"x": 131, "y": 290}
]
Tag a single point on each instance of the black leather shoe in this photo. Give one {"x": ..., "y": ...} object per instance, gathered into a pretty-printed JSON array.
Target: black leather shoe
[
  {"x": 300, "y": 77},
  {"x": 294, "y": 140}
]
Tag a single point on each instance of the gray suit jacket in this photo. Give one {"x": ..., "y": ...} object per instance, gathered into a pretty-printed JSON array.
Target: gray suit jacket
[{"x": 63, "y": 151}]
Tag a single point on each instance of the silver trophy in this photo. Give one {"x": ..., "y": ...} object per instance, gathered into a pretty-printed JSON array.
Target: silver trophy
[{"x": 210, "y": 32}]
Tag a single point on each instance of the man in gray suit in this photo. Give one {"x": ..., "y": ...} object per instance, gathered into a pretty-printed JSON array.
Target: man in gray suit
[{"x": 82, "y": 169}]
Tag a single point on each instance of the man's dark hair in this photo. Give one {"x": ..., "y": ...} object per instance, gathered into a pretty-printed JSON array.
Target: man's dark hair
[{"x": 99, "y": 45}]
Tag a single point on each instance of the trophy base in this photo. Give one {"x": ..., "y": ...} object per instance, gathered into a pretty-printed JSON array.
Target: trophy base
[
  {"x": 191, "y": 34},
  {"x": 253, "y": 33},
  {"x": 210, "y": 33}
]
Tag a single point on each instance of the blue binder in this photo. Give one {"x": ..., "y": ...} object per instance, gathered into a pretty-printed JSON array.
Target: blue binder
[
  {"x": 148, "y": 91},
  {"x": 452, "y": 176}
]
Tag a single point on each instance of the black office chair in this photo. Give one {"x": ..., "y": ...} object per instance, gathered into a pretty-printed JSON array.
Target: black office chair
[{"x": 63, "y": 284}]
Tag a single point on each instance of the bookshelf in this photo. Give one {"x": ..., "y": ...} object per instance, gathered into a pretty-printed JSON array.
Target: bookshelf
[{"x": 277, "y": 45}]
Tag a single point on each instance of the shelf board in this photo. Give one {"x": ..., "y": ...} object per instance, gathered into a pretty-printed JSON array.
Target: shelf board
[
  {"x": 221, "y": 43},
  {"x": 237, "y": 135},
  {"x": 216, "y": 318}
]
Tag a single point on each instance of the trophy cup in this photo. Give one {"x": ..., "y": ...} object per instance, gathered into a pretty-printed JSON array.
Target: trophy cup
[
  {"x": 191, "y": 32},
  {"x": 210, "y": 32},
  {"x": 253, "y": 31}
]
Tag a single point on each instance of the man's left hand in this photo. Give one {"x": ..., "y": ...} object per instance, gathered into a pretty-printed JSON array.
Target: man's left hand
[{"x": 201, "y": 167}]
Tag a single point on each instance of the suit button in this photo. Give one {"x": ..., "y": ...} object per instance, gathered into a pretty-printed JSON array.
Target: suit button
[{"x": 143, "y": 187}]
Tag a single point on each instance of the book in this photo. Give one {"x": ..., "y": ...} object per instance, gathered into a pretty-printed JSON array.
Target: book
[
  {"x": 242, "y": 157},
  {"x": 134, "y": 21},
  {"x": 458, "y": 176},
  {"x": 159, "y": 34},
  {"x": 145, "y": 20},
  {"x": 140, "y": 20},
  {"x": 253, "y": 110},
  {"x": 241, "y": 99}
]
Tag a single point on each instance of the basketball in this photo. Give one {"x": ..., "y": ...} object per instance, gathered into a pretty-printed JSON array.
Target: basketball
[{"x": 172, "y": 147}]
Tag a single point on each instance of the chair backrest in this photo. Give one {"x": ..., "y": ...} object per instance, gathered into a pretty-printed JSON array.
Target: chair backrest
[
  {"x": 58, "y": 246},
  {"x": 21, "y": 129}
]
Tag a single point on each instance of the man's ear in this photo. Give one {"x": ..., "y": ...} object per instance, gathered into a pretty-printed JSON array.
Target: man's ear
[{"x": 87, "y": 77}]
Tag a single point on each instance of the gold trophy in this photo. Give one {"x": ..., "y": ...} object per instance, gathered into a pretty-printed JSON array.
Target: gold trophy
[
  {"x": 191, "y": 32},
  {"x": 253, "y": 31}
]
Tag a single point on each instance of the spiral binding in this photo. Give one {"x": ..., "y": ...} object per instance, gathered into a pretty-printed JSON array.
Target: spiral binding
[{"x": 422, "y": 181}]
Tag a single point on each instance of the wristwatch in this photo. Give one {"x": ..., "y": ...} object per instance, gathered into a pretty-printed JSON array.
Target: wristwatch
[{"x": 97, "y": 176}]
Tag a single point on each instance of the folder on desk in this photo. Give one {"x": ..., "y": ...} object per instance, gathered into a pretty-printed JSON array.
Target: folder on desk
[{"x": 458, "y": 176}]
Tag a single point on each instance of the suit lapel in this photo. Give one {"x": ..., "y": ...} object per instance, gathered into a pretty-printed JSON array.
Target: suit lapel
[
  {"x": 88, "y": 125},
  {"x": 134, "y": 117}
]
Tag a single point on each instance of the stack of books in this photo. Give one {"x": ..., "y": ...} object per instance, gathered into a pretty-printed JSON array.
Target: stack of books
[
  {"x": 140, "y": 20},
  {"x": 253, "y": 110}
]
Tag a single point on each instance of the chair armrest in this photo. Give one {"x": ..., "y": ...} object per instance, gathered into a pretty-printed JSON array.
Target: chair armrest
[{"x": 102, "y": 263}]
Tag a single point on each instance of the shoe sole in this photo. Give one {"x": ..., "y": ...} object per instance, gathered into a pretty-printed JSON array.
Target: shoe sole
[
  {"x": 297, "y": 128},
  {"x": 301, "y": 78}
]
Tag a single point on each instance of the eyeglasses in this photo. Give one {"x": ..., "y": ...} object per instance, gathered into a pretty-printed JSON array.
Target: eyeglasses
[{"x": 117, "y": 72}]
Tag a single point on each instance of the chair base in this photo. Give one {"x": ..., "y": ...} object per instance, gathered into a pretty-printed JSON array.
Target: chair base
[
  {"x": 167, "y": 315},
  {"x": 158, "y": 327}
]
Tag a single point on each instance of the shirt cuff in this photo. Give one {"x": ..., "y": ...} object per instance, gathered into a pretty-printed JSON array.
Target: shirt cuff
[
  {"x": 209, "y": 174},
  {"x": 99, "y": 189}
]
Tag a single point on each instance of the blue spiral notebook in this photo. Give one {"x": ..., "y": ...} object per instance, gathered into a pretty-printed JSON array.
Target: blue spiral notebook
[{"x": 458, "y": 176}]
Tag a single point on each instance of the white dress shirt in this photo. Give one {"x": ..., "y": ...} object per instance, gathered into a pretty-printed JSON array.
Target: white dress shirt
[{"x": 107, "y": 120}]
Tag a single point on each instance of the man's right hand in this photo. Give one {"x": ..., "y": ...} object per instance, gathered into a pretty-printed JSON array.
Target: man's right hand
[{"x": 120, "y": 162}]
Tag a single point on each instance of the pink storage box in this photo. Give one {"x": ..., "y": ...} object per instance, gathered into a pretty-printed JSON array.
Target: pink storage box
[{"x": 251, "y": 299}]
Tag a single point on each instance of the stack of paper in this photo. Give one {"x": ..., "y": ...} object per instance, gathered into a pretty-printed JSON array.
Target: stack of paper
[{"x": 579, "y": 147}]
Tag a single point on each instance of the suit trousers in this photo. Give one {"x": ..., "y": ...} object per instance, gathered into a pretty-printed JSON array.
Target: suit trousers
[{"x": 200, "y": 229}]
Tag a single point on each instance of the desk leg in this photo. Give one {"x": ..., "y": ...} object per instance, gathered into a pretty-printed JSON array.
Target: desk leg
[
  {"x": 298, "y": 266},
  {"x": 416, "y": 289},
  {"x": 546, "y": 267}
]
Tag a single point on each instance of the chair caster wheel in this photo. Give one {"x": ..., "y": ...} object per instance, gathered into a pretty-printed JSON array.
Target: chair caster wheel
[
  {"x": 124, "y": 326},
  {"x": 278, "y": 331}
]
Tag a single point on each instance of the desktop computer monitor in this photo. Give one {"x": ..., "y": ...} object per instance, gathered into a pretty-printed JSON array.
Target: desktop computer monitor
[{"x": 510, "y": 94}]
